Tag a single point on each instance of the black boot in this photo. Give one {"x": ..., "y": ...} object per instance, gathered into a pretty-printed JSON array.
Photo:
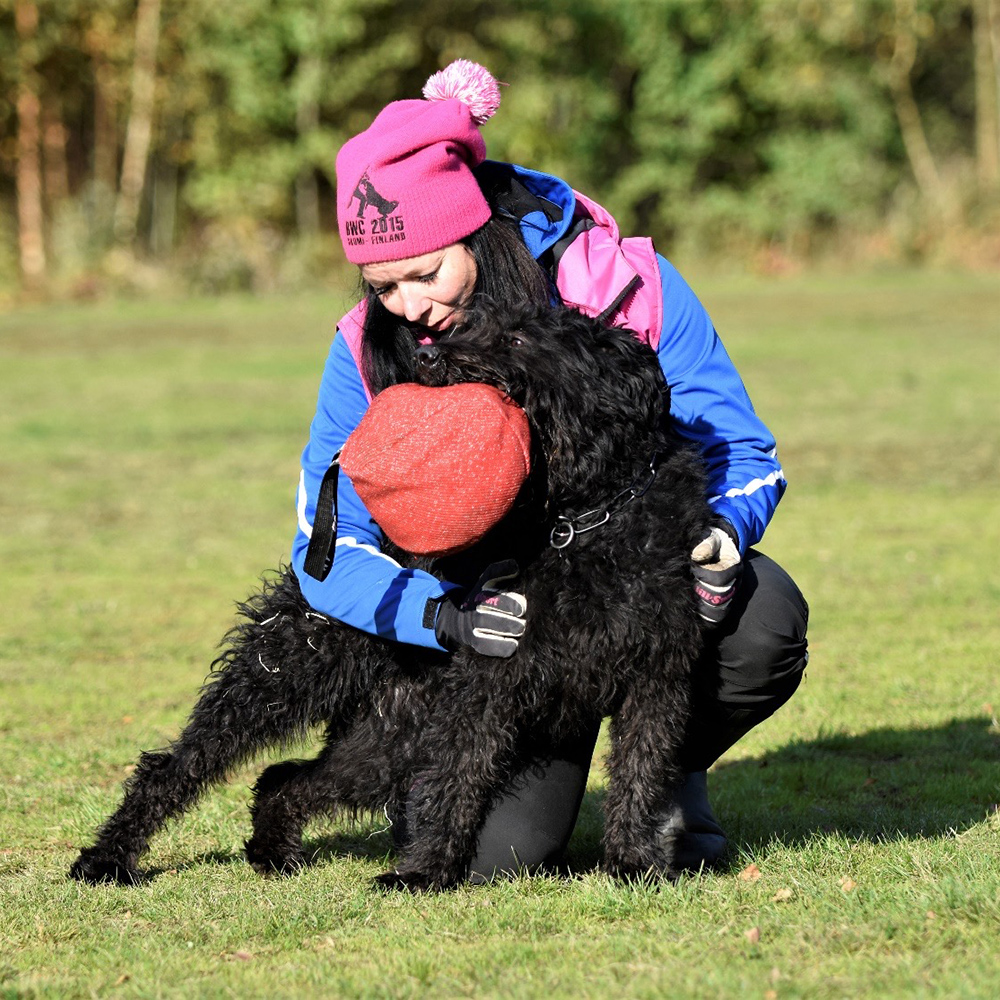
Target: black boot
[{"x": 700, "y": 841}]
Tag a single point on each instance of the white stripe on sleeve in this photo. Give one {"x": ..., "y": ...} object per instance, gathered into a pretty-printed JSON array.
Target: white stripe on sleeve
[{"x": 304, "y": 526}]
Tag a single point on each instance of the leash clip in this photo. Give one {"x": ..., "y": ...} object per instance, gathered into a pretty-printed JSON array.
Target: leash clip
[
  {"x": 565, "y": 530},
  {"x": 562, "y": 533}
]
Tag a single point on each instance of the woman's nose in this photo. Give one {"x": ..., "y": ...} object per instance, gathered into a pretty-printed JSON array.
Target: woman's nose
[{"x": 414, "y": 303}]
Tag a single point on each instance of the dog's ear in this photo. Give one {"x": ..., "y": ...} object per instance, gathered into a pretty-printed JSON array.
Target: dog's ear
[{"x": 633, "y": 368}]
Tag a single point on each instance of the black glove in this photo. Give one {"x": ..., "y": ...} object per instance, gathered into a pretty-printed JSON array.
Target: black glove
[
  {"x": 716, "y": 565},
  {"x": 485, "y": 618}
]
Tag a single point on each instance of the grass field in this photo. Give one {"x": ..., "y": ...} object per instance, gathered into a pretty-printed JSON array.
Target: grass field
[{"x": 148, "y": 460}]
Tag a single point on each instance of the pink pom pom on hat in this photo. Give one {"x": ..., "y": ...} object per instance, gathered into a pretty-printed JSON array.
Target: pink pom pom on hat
[{"x": 405, "y": 185}]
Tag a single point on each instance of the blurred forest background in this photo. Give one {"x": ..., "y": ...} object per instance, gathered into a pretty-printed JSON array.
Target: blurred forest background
[{"x": 150, "y": 145}]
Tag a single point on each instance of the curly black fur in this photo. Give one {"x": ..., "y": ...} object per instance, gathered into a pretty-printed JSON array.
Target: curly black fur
[{"x": 612, "y": 631}]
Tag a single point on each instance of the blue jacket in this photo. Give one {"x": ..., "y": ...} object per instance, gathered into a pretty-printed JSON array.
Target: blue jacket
[{"x": 708, "y": 403}]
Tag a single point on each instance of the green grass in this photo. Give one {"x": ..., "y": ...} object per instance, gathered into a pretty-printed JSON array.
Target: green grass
[{"x": 148, "y": 461}]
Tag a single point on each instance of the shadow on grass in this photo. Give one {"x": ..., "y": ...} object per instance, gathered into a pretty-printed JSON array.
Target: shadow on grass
[
  {"x": 360, "y": 844},
  {"x": 887, "y": 784}
]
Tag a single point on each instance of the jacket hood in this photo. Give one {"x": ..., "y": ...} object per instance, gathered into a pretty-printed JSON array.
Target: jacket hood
[{"x": 543, "y": 205}]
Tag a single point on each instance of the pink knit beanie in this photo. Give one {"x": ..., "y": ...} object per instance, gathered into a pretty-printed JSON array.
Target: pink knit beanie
[{"x": 405, "y": 185}]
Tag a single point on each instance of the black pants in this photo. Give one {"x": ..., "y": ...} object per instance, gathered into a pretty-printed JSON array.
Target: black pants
[{"x": 750, "y": 668}]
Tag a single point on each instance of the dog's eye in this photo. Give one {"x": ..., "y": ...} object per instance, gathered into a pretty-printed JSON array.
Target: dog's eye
[{"x": 515, "y": 341}]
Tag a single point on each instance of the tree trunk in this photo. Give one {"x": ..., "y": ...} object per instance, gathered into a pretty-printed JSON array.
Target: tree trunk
[
  {"x": 993, "y": 17},
  {"x": 30, "y": 218},
  {"x": 907, "y": 113},
  {"x": 140, "y": 122},
  {"x": 98, "y": 40},
  {"x": 987, "y": 120},
  {"x": 105, "y": 129},
  {"x": 306, "y": 120},
  {"x": 54, "y": 144},
  {"x": 164, "y": 220}
]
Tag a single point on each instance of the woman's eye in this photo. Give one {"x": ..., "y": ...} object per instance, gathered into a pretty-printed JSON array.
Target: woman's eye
[
  {"x": 426, "y": 279},
  {"x": 381, "y": 292}
]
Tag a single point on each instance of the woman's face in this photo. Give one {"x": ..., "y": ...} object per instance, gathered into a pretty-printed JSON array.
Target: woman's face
[{"x": 431, "y": 289}]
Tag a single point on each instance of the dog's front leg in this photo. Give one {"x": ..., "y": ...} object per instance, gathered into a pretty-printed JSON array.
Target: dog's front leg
[
  {"x": 445, "y": 819},
  {"x": 449, "y": 802},
  {"x": 643, "y": 773}
]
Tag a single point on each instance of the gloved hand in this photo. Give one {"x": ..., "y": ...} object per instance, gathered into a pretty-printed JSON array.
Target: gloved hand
[
  {"x": 486, "y": 618},
  {"x": 716, "y": 565}
]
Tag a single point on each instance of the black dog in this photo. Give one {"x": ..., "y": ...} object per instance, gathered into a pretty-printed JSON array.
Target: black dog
[{"x": 602, "y": 532}]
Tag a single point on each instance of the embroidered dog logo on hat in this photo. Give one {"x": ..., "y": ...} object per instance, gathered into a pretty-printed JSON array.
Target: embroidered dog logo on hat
[
  {"x": 367, "y": 195},
  {"x": 380, "y": 227}
]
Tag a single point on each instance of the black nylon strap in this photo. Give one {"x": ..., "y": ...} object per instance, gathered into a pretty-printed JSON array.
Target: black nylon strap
[
  {"x": 551, "y": 258},
  {"x": 319, "y": 555}
]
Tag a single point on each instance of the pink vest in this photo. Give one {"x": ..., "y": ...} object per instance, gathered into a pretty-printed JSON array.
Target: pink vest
[{"x": 599, "y": 273}]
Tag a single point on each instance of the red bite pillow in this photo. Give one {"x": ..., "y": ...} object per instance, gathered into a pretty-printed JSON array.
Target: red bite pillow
[{"x": 437, "y": 467}]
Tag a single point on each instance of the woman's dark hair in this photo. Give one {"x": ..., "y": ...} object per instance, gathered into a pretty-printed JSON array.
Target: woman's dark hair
[{"x": 506, "y": 273}]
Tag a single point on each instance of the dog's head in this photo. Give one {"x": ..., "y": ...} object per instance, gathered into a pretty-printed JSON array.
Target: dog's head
[{"x": 594, "y": 396}]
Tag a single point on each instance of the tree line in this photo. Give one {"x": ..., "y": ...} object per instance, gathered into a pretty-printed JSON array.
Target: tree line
[{"x": 144, "y": 138}]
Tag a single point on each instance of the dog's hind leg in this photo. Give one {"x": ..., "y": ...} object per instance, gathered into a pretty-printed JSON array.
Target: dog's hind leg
[
  {"x": 352, "y": 771},
  {"x": 286, "y": 797},
  {"x": 284, "y": 800},
  {"x": 279, "y": 674},
  {"x": 167, "y": 782}
]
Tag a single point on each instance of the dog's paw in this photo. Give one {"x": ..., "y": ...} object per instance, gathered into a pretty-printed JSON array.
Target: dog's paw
[
  {"x": 273, "y": 863},
  {"x": 410, "y": 881},
  {"x": 101, "y": 871},
  {"x": 636, "y": 869}
]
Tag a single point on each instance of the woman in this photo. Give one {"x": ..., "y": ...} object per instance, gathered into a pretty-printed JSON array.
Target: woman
[{"x": 432, "y": 225}]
